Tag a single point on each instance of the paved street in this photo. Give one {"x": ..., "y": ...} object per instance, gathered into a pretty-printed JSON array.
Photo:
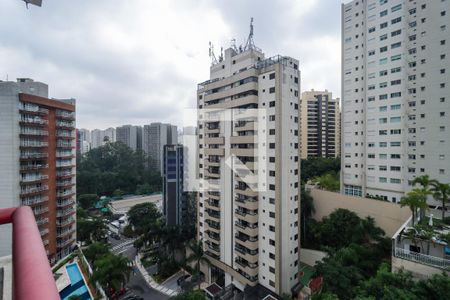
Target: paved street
[{"x": 137, "y": 284}]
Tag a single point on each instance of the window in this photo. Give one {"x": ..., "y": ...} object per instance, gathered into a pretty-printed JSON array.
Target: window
[
  {"x": 371, "y": 52},
  {"x": 396, "y": 82},
  {"x": 396, "y": 131},
  {"x": 371, "y": 29},
  {"x": 395, "y": 180},
  {"x": 383, "y": 37},
  {"x": 382, "y": 132},
  {"x": 382, "y": 179},
  {"x": 383, "y": 97},
  {"x": 383, "y": 25},
  {"x": 383, "y": 13},
  {"x": 272, "y": 76},
  {"x": 396, "y": 168},
  {"x": 383, "y": 108},
  {"x": 396, "y": 20},
  {"x": 396, "y": 70},
  {"x": 396, "y": 45},
  {"x": 383, "y": 85},
  {"x": 395, "y": 156},
  {"x": 382, "y": 120},
  {"x": 382, "y": 168},
  {"x": 395, "y": 8},
  {"x": 382, "y": 144},
  {"x": 396, "y": 57},
  {"x": 383, "y": 61},
  {"x": 272, "y": 90},
  {"x": 383, "y": 73},
  {"x": 395, "y": 144},
  {"x": 395, "y": 106},
  {"x": 396, "y": 32},
  {"x": 395, "y": 119},
  {"x": 382, "y": 156}
]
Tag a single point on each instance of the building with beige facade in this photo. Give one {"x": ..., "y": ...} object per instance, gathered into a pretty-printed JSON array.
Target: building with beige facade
[
  {"x": 320, "y": 125},
  {"x": 249, "y": 169}
]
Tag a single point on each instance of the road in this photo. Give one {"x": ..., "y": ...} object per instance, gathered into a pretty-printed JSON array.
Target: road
[{"x": 137, "y": 284}]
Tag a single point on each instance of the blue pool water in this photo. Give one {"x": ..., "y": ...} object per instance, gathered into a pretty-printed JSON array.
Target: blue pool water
[{"x": 77, "y": 286}]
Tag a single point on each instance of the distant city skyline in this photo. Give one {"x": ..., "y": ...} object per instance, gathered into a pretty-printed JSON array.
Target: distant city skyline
[{"x": 138, "y": 63}]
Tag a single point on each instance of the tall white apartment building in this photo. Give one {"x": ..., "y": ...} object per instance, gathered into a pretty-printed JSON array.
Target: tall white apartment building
[
  {"x": 320, "y": 125},
  {"x": 100, "y": 137},
  {"x": 395, "y": 95},
  {"x": 249, "y": 224}
]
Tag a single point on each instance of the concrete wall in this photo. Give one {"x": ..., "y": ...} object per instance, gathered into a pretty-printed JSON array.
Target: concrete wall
[
  {"x": 311, "y": 257},
  {"x": 388, "y": 216},
  {"x": 419, "y": 271}
]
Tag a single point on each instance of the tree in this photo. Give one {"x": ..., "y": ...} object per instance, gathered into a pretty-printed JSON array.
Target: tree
[
  {"x": 197, "y": 256},
  {"x": 143, "y": 217},
  {"x": 329, "y": 182},
  {"x": 416, "y": 199},
  {"x": 423, "y": 180},
  {"x": 143, "y": 189},
  {"x": 87, "y": 201},
  {"x": 190, "y": 295},
  {"x": 89, "y": 230},
  {"x": 441, "y": 191},
  {"x": 314, "y": 167},
  {"x": 112, "y": 271},
  {"x": 96, "y": 250}
]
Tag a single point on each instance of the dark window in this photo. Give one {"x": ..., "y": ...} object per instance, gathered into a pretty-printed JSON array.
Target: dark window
[
  {"x": 272, "y": 90},
  {"x": 272, "y": 76}
]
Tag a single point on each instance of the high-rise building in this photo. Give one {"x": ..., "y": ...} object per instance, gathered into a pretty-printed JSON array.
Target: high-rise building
[
  {"x": 100, "y": 137},
  {"x": 37, "y": 162},
  {"x": 320, "y": 131},
  {"x": 130, "y": 135},
  {"x": 83, "y": 140},
  {"x": 174, "y": 201},
  {"x": 395, "y": 95},
  {"x": 249, "y": 167},
  {"x": 155, "y": 137}
]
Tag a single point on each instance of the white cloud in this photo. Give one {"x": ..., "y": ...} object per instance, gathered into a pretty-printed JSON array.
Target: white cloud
[{"x": 139, "y": 61}]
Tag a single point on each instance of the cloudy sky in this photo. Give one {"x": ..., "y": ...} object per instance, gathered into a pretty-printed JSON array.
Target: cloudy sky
[{"x": 138, "y": 61}]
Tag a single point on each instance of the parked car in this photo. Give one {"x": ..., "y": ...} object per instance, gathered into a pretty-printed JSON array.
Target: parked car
[
  {"x": 182, "y": 278},
  {"x": 115, "y": 236}
]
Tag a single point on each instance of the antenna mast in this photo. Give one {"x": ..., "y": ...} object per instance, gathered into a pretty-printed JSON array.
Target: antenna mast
[
  {"x": 250, "y": 44},
  {"x": 212, "y": 56}
]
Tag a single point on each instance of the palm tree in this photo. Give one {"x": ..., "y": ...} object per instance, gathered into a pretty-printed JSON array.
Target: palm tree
[
  {"x": 112, "y": 271},
  {"x": 416, "y": 199},
  {"x": 441, "y": 191},
  {"x": 423, "y": 180},
  {"x": 197, "y": 256}
]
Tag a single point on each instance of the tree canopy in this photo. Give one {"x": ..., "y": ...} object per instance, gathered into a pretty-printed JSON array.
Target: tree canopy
[
  {"x": 314, "y": 167},
  {"x": 114, "y": 166}
]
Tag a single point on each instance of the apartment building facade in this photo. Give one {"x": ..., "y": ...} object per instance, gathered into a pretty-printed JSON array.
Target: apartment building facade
[
  {"x": 174, "y": 198},
  {"x": 155, "y": 136},
  {"x": 37, "y": 162},
  {"x": 395, "y": 95},
  {"x": 249, "y": 168},
  {"x": 320, "y": 125},
  {"x": 130, "y": 135}
]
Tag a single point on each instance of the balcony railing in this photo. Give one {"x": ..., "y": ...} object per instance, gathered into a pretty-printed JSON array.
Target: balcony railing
[
  {"x": 32, "y": 276},
  {"x": 424, "y": 259}
]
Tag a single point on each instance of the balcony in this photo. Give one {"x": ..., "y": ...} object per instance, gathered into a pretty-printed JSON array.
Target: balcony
[
  {"x": 33, "y": 190},
  {"x": 432, "y": 261},
  {"x": 65, "y": 222},
  {"x": 247, "y": 228},
  {"x": 65, "y": 212},
  {"x": 32, "y": 276},
  {"x": 44, "y": 231},
  {"x": 212, "y": 226},
  {"x": 65, "y": 233},
  {"x": 33, "y": 144},
  {"x": 33, "y": 109},
  {"x": 65, "y": 243},
  {"x": 33, "y": 155},
  {"x": 213, "y": 213},
  {"x": 215, "y": 151},
  {"x": 33, "y": 167},
  {"x": 33, "y": 122},
  {"x": 65, "y": 203},
  {"x": 249, "y": 255},
  {"x": 65, "y": 115},
  {"x": 40, "y": 210},
  {"x": 33, "y": 179},
  {"x": 34, "y": 200},
  {"x": 251, "y": 269}
]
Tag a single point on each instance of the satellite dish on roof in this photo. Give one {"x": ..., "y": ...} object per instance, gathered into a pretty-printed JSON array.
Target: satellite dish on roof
[{"x": 34, "y": 2}]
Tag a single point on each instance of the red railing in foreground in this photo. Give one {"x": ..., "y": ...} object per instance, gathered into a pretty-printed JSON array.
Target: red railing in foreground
[{"x": 32, "y": 275}]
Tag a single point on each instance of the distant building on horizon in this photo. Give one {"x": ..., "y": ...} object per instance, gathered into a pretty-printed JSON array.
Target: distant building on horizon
[
  {"x": 37, "y": 163},
  {"x": 174, "y": 198},
  {"x": 154, "y": 137},
  {"x": 320, "y": 125},
  {"x": 130, "y": 135}
]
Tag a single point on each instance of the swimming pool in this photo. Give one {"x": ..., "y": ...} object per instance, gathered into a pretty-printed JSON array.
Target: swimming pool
[{"x": 77, "y": 286}]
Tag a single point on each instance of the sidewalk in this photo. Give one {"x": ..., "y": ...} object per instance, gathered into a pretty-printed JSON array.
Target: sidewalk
[{"x": 149, "y": 279}]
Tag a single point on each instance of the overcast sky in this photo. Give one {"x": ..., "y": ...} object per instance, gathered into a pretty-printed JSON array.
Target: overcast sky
[{"x": 139, "y": 61}]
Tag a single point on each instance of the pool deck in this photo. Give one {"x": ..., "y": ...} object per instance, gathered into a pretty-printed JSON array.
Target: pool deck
[{"x": 64, "y": 280}]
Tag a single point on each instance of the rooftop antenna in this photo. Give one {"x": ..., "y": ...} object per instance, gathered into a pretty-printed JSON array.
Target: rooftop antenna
[
  {"x": 250, "y": 44},
  {"x": 221, "y": 54},
  {"x": 212, "y": 56},
  {"x": 233, "y": 45}
]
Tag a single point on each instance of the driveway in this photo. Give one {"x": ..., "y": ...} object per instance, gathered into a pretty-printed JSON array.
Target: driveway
[{"x": 171, "y": 283}]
